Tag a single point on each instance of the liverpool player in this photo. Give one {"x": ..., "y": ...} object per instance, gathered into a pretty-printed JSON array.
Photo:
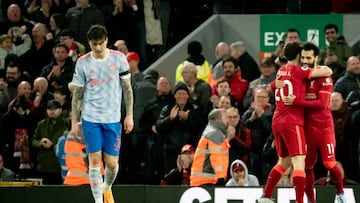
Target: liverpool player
[
  {"x": 319, "y": 125},
  {"x": 288, "y": 122}
]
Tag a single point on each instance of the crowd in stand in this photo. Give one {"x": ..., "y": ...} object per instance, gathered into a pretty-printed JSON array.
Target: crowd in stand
[{"x": 41, "y": 41}]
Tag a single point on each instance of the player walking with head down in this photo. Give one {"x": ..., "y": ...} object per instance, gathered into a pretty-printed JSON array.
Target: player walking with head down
[
  {"x": 288, "y": 123},
  {"x": 100, "y": 78}
]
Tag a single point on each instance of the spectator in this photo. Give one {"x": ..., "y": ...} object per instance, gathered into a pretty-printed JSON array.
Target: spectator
[
  {"x": 134, "y": 60},
  {"x": 179, "y": 124},
  {"x": 121, "y": 46},
  {"x": 238, "y": 85},
  {"x": 267, "y": 69},
  {"x": 154, "y": 171},
  {"x": 241, "y": 143},
  {"x": 40, "y": 53},
  {"x": 120, "y": 14},
  {"x": 224, "y": 102},
  {"x": 144, "y": 92},
  {"x": 60, "y": 70},
  {"x": 248, "y": 66},
  {"x": 200, "y": 91},
  {"x": 348, "y": 87},
  {"x": 24, "y": 89},
  {"x": 240, "y": 175},
  {"x": 336, "y": 53},
  {"x": 349, "y": 82},
  {"x": 62, "y": 96},
  {"x": 139, "y": 40},
  {"x": 211, "y": 159},
  {"x": 76, "y": 49},
  {"x": 278, "y": 56},
  {"x": 194, "y": 50},
  {"x": 40, "y": 97},
  {"x": 81, "y": 17},
  {"x": 222, "y": 89},
  {"x": 6, "y": 175},
  {"x": 154, "y": 37},
  {"x": 7, "y": 46},
  {"x": 18, "y": 126},
  {"x": 15, "y": 24},
  {"x": 181, "y": 174},
  {"x": 45, "y": 137},
  {"x": 221, "y": 51},
  {"x": 258, "y": 118},
  {"x": 57, "y": 24},
  {"x": 343, "y": 134},
  {"x": 41, "y": 11},
  {"x": 8, "y": 87}
]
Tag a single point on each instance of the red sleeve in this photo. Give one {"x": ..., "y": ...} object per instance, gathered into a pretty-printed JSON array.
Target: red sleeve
[
  {"x": 324, "y": 95},
  {"x": 313, "y": 104},
  {"x": 273, "y": 85}
]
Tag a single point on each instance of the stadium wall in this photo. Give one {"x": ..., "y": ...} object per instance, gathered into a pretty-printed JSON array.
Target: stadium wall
[{"x": 231, "y": 28}]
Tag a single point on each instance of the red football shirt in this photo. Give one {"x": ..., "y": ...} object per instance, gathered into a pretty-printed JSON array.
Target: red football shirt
[
  {"x": 318, "y": 91},
  {"x": 295, "y": 78}
]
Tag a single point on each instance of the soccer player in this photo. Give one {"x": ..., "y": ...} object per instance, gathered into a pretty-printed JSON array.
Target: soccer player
[
  {"x": 100, "y": 78},
  {"x": 319, "y": 125},
  {"x": 288, "y": 122}
]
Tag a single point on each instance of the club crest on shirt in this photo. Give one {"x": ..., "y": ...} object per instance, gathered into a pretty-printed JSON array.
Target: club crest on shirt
[
  {"x": 327, "y": 82},
  {"x": 112, "y": 67},
  {"x": 312, "y": 84},
  {"x": 92, "y": 71}
]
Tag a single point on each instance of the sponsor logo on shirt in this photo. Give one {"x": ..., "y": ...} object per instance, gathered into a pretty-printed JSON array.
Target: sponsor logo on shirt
[{"x": 94, "y": 82}]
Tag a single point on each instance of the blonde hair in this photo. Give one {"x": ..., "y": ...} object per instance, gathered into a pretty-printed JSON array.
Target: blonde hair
[{"x": 191, "y": 67}]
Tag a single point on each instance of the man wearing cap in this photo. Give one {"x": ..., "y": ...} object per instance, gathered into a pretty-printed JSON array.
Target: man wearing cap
[
  {"x": 181, "y": 174},
  {"x": 134, "y": 60},
  {"x": 179, "y": 124},
  {"x": 211, "y": 159},
  {"x": 45, "y": 137}
]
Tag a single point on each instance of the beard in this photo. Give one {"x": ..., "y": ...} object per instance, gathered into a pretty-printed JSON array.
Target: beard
[{"x": 312, "y": 65}]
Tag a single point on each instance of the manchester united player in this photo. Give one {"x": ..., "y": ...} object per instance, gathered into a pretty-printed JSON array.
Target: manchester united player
[
  {"x": 319, "y": 125},
  {"x": 288, "y": 122}
]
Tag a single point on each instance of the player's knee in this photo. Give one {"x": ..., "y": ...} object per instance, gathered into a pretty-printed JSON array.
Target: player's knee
[{"x": 329, "y": 164}]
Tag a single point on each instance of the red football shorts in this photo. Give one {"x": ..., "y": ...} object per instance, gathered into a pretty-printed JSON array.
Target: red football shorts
[
  {"x": 289, "y": 139},
  {"x": 319, "y": 139}
]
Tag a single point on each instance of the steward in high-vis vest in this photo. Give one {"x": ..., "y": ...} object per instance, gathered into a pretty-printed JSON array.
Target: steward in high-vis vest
[
  {"x": 211, "y": 159},
  {"x": 76, "y": 161}
]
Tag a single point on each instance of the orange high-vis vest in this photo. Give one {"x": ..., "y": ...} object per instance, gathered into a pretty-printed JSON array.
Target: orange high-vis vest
[
  {"x": 211, "y": 158},
  {"x": 76, "y": 162}
]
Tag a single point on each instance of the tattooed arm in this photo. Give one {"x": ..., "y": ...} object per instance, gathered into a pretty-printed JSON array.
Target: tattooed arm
[
  {"x": 77, "y": 99},
  {"x": 129, "y": 103}
]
